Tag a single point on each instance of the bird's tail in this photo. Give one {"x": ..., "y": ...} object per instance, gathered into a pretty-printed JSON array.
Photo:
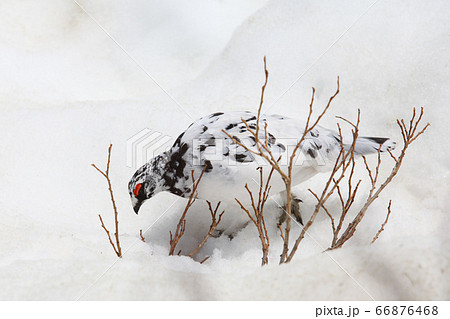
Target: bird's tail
[{"x": 367, "y": 145}]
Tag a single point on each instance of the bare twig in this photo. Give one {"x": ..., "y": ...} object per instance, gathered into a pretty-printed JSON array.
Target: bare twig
[
  {"x": 142, "y": 237},
  {"x": 109, "y": 236},
  {"x": 384, "y": 224},
  {"x": 258, "y": 212},
  {"x": 115, "y": 246},
  {"x": 263, "y": 150},
  {"x": 409, "y": 134},
  {"x": 214, "y": 222},
  {"x": 281, "y": 231},
  {"x": 343, "y": 161},
  {"x": 181, "y": 226},
  {"x": 205, "y": 259}
]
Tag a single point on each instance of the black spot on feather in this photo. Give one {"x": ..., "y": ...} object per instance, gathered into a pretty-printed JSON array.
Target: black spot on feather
[
  {"x": 317, "y": 146},
  {"x": 236, "y": 139},
  {"x": 230, "y": 126},
  {"x": 242, "y": 158},
  {"x": 176, "y": 164},
  {"x": 211, "y": 141},
  {"x": 271, "y": 139},
  {"x": 178, "y": 140},
  {"x": 215, "y": 114},
  {"x": 209, "y": 166},
  {"x": 281, "y": 146},
  {"x": 311, "y": 153},
  {"x": 379, "y": 140}
]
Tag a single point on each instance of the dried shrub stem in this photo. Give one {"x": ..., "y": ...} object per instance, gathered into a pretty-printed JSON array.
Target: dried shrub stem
[
  {"x": 115, "y": 246},
  {"x": 342, "y": 163},
  {"x": 263, "y": 150},
  {"x": 410, "y": 134},
  {"x": 258, "y": 212},
  {"x": 141, "y": 236},
  {"x": 343, "y": 170},
  {"x": 384, "y": 224},
  {"x": 214, "y": 222},
  {"x": 346, "y": 162},
  {"x": 181, "y": 226}
]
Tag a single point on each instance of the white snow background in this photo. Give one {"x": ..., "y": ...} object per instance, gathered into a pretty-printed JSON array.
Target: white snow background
[{"x": 67, "y": 91}]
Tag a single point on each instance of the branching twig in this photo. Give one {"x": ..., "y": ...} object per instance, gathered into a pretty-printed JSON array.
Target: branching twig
[
  {"x": 409, "y": 134},
  {"x": 116, "y": 246},
  {"x": 181, "y": 226},
  {"x": 214, "y": 222},
  {"x": 263, "y": 150},
  {"x": 344, "y": 167},
  {"x": 258, "y": 212},
  {"x": 342, "y": 163},
  {"x": 109, "y": 236},
  {"x": 384, "y": 224},
  {"x": 142, "y": 237}
]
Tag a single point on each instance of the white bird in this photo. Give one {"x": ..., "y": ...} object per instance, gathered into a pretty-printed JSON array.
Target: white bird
[{"x": 230, "y": 166}]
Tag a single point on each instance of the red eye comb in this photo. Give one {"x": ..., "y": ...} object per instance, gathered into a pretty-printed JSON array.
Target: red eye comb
[{"x": 137, "y": 189}]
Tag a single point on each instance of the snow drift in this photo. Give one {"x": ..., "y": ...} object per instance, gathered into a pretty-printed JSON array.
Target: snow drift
[{"x": 67, "y": 91}]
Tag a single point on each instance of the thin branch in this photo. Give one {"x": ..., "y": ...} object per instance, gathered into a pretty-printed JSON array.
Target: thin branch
[
  {"x": 214, "y": 222},
  {"x": 142, "y": 237},
  {"x": 287, "y": 256},
  {"x": 257, "y": 214},
  {"x": 409, "y": 135},
  {"x": 342, "y": 163},
  {"x": 116, "y": 247},
  {"x": 181, "y": 226},
  {"x": 109, "y": 236},
  {"x": 281, "y": 231},
  {"x": 326, "y": 211},
  {"x": 384, "y": 224},
  {"x": 262, "y": 149}
]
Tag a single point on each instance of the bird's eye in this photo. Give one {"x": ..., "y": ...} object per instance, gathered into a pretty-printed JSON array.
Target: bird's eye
[{"x": 137, "y": 189}]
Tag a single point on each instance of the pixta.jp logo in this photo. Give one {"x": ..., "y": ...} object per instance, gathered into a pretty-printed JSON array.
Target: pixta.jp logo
[{"x": 145, "y": 145}]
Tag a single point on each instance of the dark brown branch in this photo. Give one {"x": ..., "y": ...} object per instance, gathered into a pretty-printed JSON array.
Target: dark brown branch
[
  {"x": 116, "y": 247},
  {"x": 142, "y": 237}
]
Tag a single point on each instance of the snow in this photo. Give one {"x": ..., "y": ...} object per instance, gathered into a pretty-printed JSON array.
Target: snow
[{"x": 67, "y": 91}]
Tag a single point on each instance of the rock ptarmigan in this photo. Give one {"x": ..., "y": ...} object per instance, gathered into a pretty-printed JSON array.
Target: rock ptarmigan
[{"x": 229, "y": 166}]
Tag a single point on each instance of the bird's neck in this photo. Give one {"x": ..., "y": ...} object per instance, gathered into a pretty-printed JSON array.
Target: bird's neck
[
  {"x": 158, "y": 167},
  {"x": 168, "y": 170}
]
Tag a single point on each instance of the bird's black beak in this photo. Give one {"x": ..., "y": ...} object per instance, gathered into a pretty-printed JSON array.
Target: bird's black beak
[{"x": 137, "y": 206}]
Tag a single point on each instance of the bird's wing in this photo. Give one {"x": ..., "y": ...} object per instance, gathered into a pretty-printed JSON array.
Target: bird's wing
[{"x": 217, "y": 136}]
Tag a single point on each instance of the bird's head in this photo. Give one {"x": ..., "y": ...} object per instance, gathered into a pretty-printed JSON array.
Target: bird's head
[{"x": 141, "y": 187}]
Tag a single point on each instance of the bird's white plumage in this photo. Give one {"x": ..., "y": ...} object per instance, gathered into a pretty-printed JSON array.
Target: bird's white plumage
[{"x": 229, "y": 166}]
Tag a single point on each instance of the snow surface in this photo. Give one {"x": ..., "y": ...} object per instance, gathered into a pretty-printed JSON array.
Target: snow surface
[{"x": 67, "y": 91}]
